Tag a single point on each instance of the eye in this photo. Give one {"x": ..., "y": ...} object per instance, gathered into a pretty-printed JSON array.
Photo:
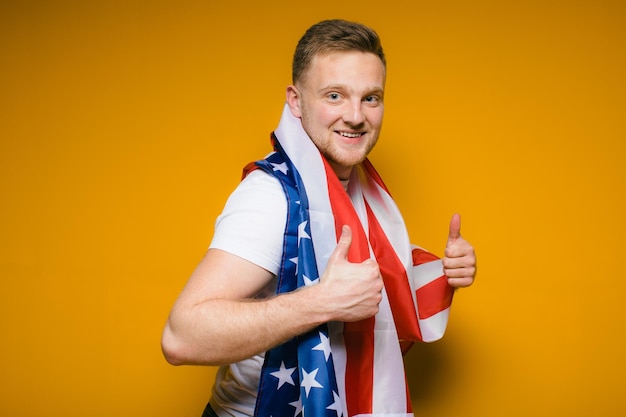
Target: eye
[
  {"x": 372, "y": 99},
  {"x": 333, "y": 96}
]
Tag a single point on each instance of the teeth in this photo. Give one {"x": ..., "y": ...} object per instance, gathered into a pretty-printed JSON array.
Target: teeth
[{"x": 350, "y": 135}]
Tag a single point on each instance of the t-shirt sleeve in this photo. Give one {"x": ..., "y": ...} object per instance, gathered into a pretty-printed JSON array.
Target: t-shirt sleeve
[{"x": 252, "y": 224}]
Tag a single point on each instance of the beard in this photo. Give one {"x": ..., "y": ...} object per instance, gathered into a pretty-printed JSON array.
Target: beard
[{"x": 343, "y": 159}]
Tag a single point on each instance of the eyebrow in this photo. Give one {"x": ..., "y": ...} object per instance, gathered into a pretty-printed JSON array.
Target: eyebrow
[{"x": 372, "y": 90}]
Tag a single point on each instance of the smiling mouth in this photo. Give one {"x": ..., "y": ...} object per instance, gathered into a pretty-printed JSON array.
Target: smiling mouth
[{"x": 351, "y": 135}]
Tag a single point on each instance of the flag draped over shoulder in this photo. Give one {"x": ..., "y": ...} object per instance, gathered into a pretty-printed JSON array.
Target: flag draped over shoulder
[{"x": 346, "y": 369}]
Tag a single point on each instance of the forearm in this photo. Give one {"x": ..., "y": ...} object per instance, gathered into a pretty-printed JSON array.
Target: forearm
[{"x": 223, "y": 331}]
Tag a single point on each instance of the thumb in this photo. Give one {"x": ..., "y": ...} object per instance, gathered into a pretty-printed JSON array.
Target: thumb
[
  {"x": 455, "y": 229},
  {"x": 343, "y": 246}
]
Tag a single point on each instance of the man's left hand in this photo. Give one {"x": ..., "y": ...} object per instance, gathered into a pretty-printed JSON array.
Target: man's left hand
[{"x": 459, "y": 263}]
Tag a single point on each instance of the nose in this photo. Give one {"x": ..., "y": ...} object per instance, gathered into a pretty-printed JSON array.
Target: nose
[{"x": 354, "y": 113}]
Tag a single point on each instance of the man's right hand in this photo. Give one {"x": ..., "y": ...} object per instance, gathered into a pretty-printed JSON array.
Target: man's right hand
[{"x": 353, "y": 290}]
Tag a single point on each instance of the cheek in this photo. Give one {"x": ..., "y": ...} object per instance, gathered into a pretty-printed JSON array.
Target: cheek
[
  {"x": 329, "y": 115},
  {"x": 376, "y": 118},
  {"x": 323, "y": 118},
  {"x": 320, "y": 123}
]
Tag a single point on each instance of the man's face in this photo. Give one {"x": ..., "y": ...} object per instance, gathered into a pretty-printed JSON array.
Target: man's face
[{"x": 340, "y": 103}]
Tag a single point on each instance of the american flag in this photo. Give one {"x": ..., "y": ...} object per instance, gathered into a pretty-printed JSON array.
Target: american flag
[{"x": 346, "y": 369}]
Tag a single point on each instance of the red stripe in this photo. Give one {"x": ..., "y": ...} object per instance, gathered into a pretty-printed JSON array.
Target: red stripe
[
  {"x": 434, "y": 297},
  {"x": 248, "y": 169},
  {"x": 344, "y": 213},
  {"x": 359, "y": 340},
  {"x": 421, "y": 256}
]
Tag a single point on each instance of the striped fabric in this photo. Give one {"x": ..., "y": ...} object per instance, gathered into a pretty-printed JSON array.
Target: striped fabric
[{"x": 347, "y": 369}]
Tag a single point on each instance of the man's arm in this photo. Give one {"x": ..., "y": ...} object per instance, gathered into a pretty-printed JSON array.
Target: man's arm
[{"x": 215, "y": 321}]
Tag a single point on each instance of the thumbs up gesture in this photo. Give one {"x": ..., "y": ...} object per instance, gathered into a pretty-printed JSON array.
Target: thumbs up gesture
[
  {"x": 459, "y": 263},
  {"x": 352, "y": 291}
]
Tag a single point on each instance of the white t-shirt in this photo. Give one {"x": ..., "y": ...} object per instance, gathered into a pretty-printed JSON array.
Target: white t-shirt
[{"x": 251, "y": 226}]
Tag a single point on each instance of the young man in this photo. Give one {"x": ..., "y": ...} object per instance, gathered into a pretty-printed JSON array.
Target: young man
[{"x": 310, "y": 294}]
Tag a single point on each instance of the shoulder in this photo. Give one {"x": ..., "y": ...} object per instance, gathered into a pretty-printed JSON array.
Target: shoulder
[
  {"x": 252, "y": 223},
  {"x": 259, "y": 192},
  {"x": 260, "y": 178}
]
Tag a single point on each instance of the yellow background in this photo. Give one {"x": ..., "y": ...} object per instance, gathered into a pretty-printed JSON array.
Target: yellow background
[{"x": 124, "y": 126}]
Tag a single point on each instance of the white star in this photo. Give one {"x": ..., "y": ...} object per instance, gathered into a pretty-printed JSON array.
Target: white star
[
  {"x": 284, "y": 375},
  {"x": 295, "y": 261},
  {"x": 324, "y": 345},
  {"x": 298, "y": 406},
  {"x": 302, "y": 234},
  {"x": 280, "y": 167},
  {"x": 308, "y": 381},
  {"x": 336, "y": 406},
  {"x": 308, "y": 281}
]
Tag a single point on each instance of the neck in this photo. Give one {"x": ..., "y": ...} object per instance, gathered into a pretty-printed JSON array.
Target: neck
[{"x": 342, "y": 172}]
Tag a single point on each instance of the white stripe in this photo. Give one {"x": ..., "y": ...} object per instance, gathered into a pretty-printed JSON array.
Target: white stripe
[
  {"x": 305, "y": 156},
  {"x": 427, "y": 272},
  {"x": 389, "y": 393},
  {"x": 434, "y": 326}
]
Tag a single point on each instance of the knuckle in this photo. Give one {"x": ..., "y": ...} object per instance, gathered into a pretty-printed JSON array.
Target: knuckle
[{"x": 376, "y": 309}]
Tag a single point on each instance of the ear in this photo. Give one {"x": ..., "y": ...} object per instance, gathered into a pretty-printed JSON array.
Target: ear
[{"x": 293, "y": 100}]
